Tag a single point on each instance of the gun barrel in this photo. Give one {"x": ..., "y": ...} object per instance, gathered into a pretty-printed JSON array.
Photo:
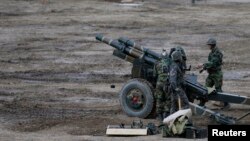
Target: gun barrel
[
  {"x": 119, "y": 46},
  {"x": 123, "y": 56},
  {"x": 130, "y": 52},
  {"x": 132, "y": 44},
  {"x": 111, "y": 42}
]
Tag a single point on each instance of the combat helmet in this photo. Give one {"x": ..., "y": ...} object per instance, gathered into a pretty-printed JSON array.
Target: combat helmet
[
  {"x": 211, "y": 41},
  {"x": 181, "y": 50},
  {"x": 171, "y": 52},
  {"x": 176, "y": 56}
]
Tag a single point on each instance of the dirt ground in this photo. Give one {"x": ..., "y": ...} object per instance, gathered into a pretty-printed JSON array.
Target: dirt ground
[{"x": 55, "y": 77}]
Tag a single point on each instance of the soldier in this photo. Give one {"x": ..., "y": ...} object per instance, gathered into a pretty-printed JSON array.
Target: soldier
[
  {"x": 213, "y": 67},
  {"x": 176, "y": 78},
  {"x": 162, "y": 97},
  {"x": 184, "y": 57}
]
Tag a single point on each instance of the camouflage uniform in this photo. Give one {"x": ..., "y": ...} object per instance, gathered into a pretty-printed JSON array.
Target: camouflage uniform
[
  {"x": 162, "y": 97},
  {"x": 177, "y": 84},
  {"x": 213, "y": 67},
  {"x": 184, "y": 57}
]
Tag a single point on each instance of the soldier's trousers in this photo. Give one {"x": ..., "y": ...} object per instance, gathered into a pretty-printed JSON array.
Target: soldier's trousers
[
  {"x": 215, "y": 79},
  {"x": 162, "y": 99},
  {"x": 175, "y": 95}
]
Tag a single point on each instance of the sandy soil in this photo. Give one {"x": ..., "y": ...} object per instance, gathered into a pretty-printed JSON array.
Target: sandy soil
[{"x": 55, "y": 77}]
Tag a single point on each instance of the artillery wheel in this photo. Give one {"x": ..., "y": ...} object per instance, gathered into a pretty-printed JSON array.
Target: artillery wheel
[{"x": 136, "y": 98}]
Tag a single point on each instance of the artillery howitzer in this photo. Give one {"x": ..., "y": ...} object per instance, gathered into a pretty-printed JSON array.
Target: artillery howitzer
[{"x": 137, "y": 95}]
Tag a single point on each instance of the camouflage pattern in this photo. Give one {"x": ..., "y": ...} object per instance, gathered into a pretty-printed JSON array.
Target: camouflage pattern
[
  {"x": 176, "y": 56},
  {"x": 214, "y": 61},
  {"x": 215, "y": 79},
  {"x": 213, "y": 67},
  {"x": 184, "y": 58},
  {"x": 162, "y": 96},
  {"x": 215, "y": 74},
  {"x": 180, "y": 49},
  {"x": 166, "y": 132},
  {"x": 177, "y": 83},
  {"x": 177, "y": 128}
]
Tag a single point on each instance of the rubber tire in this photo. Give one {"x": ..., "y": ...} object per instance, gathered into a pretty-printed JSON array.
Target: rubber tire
[{"x": 147, "y": 90}]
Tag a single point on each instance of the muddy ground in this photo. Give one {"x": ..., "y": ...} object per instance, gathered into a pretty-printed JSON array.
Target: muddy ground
[{"x": 55, "y": 77}]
